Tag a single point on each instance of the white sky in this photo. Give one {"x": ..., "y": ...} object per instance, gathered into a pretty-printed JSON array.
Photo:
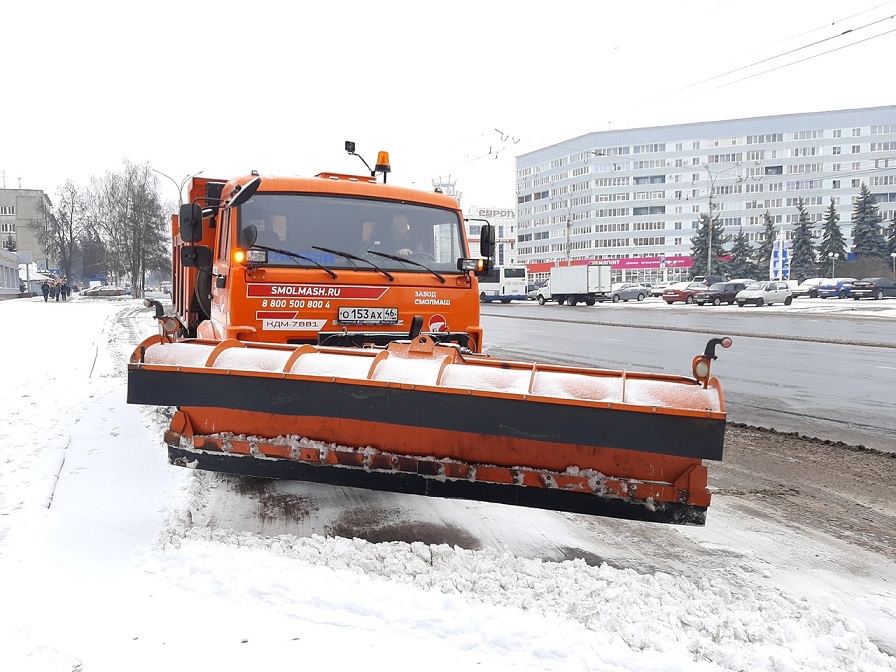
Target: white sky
[
  {"x": 111, "y": 559},
  {"x": 228, "y": 87}
]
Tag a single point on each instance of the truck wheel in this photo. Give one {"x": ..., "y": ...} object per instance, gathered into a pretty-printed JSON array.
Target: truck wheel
[
  {"x": 716, "y": 301},
  {"x": 615, "y": 298},
  {"x": 482, "y": 298},
  {"x": 589, "y": 301},
  {"x": 540, "y": 300},
  {"x": 571, "y": 301}
]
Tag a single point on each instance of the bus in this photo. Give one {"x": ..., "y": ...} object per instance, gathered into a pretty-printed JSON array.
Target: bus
[{"x": 504, "y": 283}]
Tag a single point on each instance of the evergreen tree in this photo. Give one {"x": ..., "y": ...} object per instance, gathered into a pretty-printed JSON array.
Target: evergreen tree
[
  {"x": 743, "y": 262},
  {"x": 867, "y": 241},
  {"x": 832, "y": 240},
  {"x": 802, "y": 249},
  {"x": 699, "y": 244},
  {"x": 764, "y": 252}
]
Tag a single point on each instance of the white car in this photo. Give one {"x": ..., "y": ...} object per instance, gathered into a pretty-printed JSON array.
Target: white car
[{"x": 765, "y": 294}]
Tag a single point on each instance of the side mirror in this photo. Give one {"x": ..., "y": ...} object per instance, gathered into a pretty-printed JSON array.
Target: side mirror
[
  {"x": 196, "y": 256},
  {"x": 190, "y": 222},
  {"x": 248, "y": 236},
  {"x": 243, "y": 193},
  {"x": 487, "y": 241}
]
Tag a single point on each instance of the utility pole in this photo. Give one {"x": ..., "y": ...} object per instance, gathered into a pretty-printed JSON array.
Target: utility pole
[{"x": 712, "y": 188}]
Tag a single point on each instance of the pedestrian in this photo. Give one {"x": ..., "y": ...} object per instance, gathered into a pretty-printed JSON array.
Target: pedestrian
[
  {"x": 45, "y": 288},
  {"x": 57, "y": 292}
]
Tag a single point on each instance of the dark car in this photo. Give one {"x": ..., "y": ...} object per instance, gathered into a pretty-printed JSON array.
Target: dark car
[
  {"x": 719, "y": 292},
  {"x": 873, "y": 288}
]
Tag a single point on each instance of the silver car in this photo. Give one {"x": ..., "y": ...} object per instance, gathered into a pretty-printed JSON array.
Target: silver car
[
  {"x": 623, "y": 291},
  {"x": 765, "y": 294}
]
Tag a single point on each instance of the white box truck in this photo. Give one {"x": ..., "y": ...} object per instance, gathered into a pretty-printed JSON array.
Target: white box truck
[{"x": 570, "y": 285}]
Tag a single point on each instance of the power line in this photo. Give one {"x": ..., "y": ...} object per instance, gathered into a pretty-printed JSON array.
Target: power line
[{"x": 786, "y": 53}]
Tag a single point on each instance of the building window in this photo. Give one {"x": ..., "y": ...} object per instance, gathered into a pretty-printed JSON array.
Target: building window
[
  {"x": 8, "y": 210},
  {"x": 837, "y": 133},
  {"x": 836, "y": 150},
  {"x": 855, "y": 183},
  {"x": 835, "y": 184},
  {"x": 856, "y": 149},
  {"x": 856, "y": 132}
]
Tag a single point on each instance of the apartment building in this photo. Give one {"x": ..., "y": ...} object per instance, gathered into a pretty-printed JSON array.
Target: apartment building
[
  {"x": 635, "y": 196},
  {"x": 21, "y": 211}
]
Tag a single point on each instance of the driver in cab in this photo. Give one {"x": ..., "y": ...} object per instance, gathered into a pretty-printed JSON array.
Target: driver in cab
[{"x": 398, "y": 237}]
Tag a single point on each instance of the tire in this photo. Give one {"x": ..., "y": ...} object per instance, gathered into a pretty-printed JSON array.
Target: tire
[
  {"x": 669, "y": 303},
  {"x": 741, "y": 304},
  {"x": 717, "y": 301},
  {"x": 760, "y": 302},
  {"x": 640, "y": 297},
  {"x": 879, "y": 295},
  {"x": 540, "y": 300},
  {"x": 505, "y": 300},
  {"x": 788, "y": 300},
  {"x": 813, "y": 295},
  {"x": 842, "y": 294},
  {"x": 482, "y": 298},
  {"x": 571, "y": 301},
  {"x": 589, "y": 301},
  {"x": 690, "y": 299},
  {"x": 700, "y": 303},
  {"x": 615, "y": 298}
]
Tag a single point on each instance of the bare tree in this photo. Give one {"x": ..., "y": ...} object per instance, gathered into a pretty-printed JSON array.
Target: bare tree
[{"x": 128, "y": 217}]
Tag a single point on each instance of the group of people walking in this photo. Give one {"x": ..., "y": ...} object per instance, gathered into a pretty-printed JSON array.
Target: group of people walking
[{"x": 57, "y": 291}]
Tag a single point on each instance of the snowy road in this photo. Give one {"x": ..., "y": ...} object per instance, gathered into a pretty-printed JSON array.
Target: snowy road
[{"x": 113, "y": 560}]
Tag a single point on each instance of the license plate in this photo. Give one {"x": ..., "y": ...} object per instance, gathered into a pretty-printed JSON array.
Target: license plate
[{"x": 350, "y": 315}]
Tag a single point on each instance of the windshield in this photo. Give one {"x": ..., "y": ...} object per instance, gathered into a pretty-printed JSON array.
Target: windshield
[{"x": 300, "y": 223}]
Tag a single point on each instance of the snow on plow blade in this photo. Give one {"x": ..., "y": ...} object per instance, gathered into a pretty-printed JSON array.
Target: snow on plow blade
[{"x": 422, "y": 418}]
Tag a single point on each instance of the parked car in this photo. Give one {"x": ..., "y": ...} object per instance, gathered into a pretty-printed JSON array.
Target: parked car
[
  {"x": 765, "y": 294},
  {"x": 720, "y": 292},
  {"x": 873, "y": 288},
  {"x": 835, "y": 287},
  {"x": 710, "y": 279},
  {"x": 808, "y": 287},
  {"x": 623, "y": 291},
  {"x": 682, "y": 291},
  {"x": 657, "y": 288}
]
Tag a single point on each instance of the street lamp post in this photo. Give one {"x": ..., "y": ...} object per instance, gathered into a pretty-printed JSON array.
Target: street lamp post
[
  {"x": 180, "y": 187},
  {"x": 832, "y": 256},
  {"x": 893, "y": 256}
]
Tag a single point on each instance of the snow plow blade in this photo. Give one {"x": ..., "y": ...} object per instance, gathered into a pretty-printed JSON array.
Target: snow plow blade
[{"x": 421, "y": 418}]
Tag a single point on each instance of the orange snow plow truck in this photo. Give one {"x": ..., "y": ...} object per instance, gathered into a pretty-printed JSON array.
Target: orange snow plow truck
[{"x": 327, "y": 329}]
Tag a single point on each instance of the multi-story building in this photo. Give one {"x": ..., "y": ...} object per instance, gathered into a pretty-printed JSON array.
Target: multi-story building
[
  {"x": 21, "y": 212},
  {"x": 504, "y": 221},
  {"x": 635, "y": 196}
]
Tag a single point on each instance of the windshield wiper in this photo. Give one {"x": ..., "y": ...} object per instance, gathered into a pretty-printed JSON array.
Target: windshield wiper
[
  {"x": 403, "y": 260},
  {"x": 352, "y": 257},
  {"x": 296, "y": 255}
]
